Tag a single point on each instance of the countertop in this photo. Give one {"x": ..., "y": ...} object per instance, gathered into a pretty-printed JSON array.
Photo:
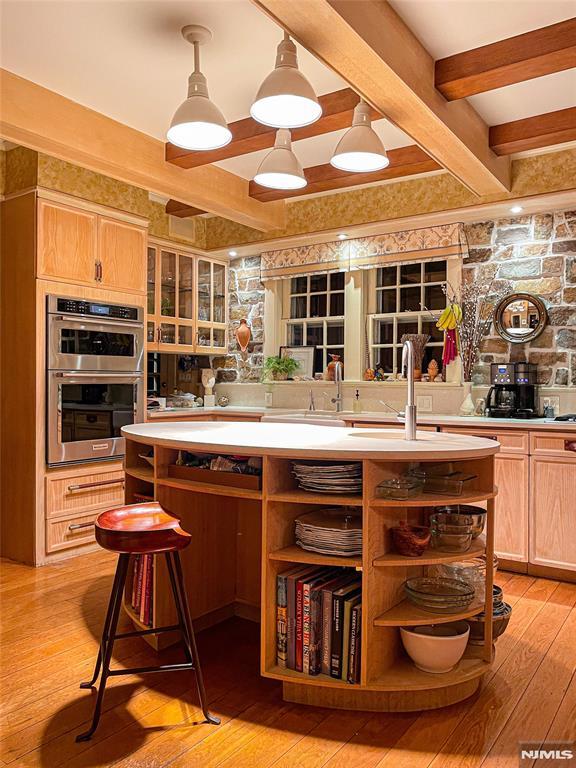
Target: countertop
[{"x": 309, "y": 441}]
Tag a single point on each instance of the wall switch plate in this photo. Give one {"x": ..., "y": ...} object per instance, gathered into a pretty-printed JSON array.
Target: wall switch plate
[{"x": 424, "y": 403}]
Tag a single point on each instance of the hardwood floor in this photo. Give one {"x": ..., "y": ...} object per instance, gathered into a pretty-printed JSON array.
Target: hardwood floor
[{"x": 52, "y": 616}]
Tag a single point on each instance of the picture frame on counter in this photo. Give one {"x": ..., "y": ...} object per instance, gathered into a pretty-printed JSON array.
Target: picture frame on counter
[{"x": 304, "y": 356}]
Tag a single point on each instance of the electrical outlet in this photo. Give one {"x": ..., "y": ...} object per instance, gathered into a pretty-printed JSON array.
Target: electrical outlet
[{"x": 424, "y": 403}]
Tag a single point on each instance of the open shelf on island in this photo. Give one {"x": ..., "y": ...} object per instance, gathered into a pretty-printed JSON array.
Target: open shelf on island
[
  {"x": 295, "y": 554},
  {"x": 405, "y": 676},
  {"x": 326, "y": 499},
  {"x": 435, "y": 499},
  {"x": 210, "y": 488},
  {"x": 142, "y": 473},
  {"x": 292, "y": 676},
  {"x": 431, "y": 556},
  {"x": 406, "y": 614}
]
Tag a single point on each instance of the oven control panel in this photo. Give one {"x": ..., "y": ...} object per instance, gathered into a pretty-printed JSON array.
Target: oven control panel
[{"x": 96, "y": 309}]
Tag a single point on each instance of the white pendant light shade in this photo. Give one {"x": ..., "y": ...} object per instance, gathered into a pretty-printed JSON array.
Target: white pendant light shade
[
  {"x": 286, "y": 99},
  {"x": 281, "y": 169},
  {"x": 360, "y": 150},
  {"x": 198, "y": 124}
]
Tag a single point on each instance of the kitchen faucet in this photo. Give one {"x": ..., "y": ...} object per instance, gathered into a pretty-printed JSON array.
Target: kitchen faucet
[
  {"x": 338, "y": 368},
  {"x": 410, "y": 410},
  {"x": 311, "y": 403}
]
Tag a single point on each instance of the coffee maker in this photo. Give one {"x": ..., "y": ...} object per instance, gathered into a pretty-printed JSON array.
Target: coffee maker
[{"x": 513, "y": 391}]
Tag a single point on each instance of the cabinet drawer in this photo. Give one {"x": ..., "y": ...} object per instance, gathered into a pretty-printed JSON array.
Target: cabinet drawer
[
  {"x": 74, "y": 494},
  {"x": 511, "y": 441},
  {"x": 553, "y": 444},
  {"x": 68, "y": 532}
]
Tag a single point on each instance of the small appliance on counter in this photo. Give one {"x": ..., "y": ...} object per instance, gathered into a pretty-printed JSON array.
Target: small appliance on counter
[{"x": 513, "y": 391}]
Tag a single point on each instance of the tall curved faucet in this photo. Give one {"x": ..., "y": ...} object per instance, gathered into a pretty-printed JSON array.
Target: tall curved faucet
[{"x": 408, "y": 358}]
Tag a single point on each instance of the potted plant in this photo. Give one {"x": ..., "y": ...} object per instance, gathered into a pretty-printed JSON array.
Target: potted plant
[{"x": 279, "y": 368}]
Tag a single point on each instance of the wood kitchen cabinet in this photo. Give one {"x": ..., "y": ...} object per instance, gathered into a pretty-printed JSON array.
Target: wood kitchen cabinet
[{"x": 121, "y": 255}]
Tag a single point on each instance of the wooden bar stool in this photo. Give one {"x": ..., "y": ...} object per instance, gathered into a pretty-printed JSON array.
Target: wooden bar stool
[{"x": 143, "y": 529}]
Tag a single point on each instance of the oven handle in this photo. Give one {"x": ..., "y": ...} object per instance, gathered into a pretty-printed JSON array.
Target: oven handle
[
  {"x": 95, "y": 375},
  {"x": 119, "y": 322}
]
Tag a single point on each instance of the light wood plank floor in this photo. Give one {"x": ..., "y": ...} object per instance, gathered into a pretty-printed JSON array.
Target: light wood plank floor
[{"x": 51, "y": 618}]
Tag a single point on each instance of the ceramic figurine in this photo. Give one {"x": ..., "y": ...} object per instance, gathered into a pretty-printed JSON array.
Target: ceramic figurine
[
  {"x": 223, "y": 401},
  {"x": 331, "y": 368},
  {"x": 433, "y": 369},
  {"x": 243, "y": 335},
  {"x": 369, "y": 374},
  {"x": 208, "y": 381}
]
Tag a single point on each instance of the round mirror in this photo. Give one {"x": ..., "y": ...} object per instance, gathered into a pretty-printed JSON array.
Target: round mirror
[{"x": 520, "y": 317}]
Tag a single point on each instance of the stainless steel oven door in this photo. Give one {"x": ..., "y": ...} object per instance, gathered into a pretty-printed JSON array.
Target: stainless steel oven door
[
  {"x": 86, "y": 412},
  {"x": 94, "y": 344}
]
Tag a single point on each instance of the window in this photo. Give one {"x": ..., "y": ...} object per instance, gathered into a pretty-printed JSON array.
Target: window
[
  {"x": 315, "y": 311},
  {"x": 398, "y": 296}
]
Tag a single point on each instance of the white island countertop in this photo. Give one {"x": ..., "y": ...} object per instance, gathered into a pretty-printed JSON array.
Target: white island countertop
[{"x": 309, "y": 441}]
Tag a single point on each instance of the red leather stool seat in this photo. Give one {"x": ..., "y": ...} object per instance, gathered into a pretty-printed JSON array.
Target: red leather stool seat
[{"x": 140, "y": 529}]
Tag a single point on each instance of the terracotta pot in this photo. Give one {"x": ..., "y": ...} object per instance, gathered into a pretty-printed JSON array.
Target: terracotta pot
[
  {"x": 331, "y": 368},
  {"x": 243, "y": 335}
]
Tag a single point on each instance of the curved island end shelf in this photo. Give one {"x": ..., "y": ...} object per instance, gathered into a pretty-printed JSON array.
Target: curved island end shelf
[{"x": 243, "y": 537}]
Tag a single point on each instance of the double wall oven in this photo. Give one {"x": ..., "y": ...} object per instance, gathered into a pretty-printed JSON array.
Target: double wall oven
[{"x": 95, "y": 378}]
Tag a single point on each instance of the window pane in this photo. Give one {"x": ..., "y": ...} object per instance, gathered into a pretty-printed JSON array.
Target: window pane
[
  {"x": 434, "y": 297},
  {"x": 319, "y": 360},
  {"x": 204, "y": 339},
  {"x": 410, "y": 299},
  {"x": 295, "y": 335},
  {"x": 218, "y": 337},
  {"x": 336, "y": 304},
  {"x": 429, "y": 327},
  {"x": 335, "y": 333},
  {"x": 383, "y": 359},
  {"x": 318, "y": 283},
  {"x": 384, "y": 332},
  {"x": 184, "y": 334},
  {"x": 410, "y": 273},
  {"x": 337, "y": 281},
  {"x": 386, "y": 276},
  {"x": 408, "y": 325},
  {"x": 314, "y": 335},
  {"x": 429, "y": 353},
  {"x": 435, "y": 272},
  {"x": 298, "y": 306},
  {"x": 167, "y": 333},
  {"x": 399, "y": 360},
  {"x": 298, "y": 285},
  {"x": 318, "y": 305},
  {"x": 386, "y": 301}
]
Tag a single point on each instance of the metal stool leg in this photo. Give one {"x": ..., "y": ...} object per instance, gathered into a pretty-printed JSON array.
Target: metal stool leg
[
  {"x": 190, "y": 639},
  {"x": 105, "y": 631},
  {"x": 116, "y": 601}
]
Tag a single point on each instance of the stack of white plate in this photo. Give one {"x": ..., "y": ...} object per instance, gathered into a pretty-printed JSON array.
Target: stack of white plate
[
  {"x": 331, "y": 532},
  {"x": 329, "y": 477}
]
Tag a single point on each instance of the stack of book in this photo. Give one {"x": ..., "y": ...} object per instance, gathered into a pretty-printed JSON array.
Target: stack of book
[
  {"x": 319, "y": 614},
  {"x": 142, "y": 588}
]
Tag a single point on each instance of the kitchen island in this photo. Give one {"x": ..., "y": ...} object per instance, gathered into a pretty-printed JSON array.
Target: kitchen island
[{"x": 243, "y": 537}]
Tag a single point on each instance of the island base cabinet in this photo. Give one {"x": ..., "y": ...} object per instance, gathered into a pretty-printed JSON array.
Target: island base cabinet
[
  {"x": 512, "y": 477},
  {"x": 553, "y": 512}
]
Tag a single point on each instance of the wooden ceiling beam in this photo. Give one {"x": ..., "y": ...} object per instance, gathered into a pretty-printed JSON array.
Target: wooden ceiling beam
[
  {"x": 534, "y": 132},
  {"x": 514, "y": 60},
  {"x": 48, "y": 122},
  {"x": 405, "y": 161},
  {"x": 372, "y": 49},
  {"x": 181, "y": 210},
  {"x": 251, "y": 136}
]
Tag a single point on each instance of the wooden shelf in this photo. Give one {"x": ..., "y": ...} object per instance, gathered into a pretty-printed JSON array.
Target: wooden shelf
[
  {"x": 435, "y": 500},
  {"x": 430, "y": 556},
  {"x": 142, "y": 473},
  {"x": 327, "y": 500},
  {"x": 294, "y": 554},
  {"x": 292, "y": 676},
  {"x": 406, "y": 614},
  {"x": 405, "y": 676},
  {"x": 133, "y": 615},
  {"x": 210, "y": 488}
]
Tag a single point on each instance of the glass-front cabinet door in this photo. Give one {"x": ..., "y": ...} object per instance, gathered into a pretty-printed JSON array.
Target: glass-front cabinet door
[{"x": 211, "y": 305}]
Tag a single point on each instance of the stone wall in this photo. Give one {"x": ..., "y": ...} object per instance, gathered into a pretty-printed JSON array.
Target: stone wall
[
  {"x": 536, "y": 254},
  {"x": 246, "y": 300}
]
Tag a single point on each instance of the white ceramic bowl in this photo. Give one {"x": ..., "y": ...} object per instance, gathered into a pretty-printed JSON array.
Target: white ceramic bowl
[{"x": 436, "y": 648}]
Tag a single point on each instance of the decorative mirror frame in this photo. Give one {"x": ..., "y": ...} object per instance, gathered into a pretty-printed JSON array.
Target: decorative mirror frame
[{"x": 499, "y": 311}]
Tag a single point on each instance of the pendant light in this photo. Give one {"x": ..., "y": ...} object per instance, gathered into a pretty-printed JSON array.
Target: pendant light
[
  {"x": 286, "y": 99},
  {"x": 198, "y": 123},
  {"x": 360, "y": 150},
  {"x": 281, "y": 169}
]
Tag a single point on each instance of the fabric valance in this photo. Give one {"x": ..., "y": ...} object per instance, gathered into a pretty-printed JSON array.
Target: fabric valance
[{"x": 438, "y": 242}]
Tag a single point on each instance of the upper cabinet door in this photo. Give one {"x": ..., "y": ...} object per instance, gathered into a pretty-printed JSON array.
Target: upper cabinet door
[
  {"x": 122, "y": 255},
  {"x": 67, "y": 240}
]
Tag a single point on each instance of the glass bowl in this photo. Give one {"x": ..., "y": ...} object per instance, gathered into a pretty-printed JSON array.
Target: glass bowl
[
  {"x": 476, "y": 516},
  {"x": 450, "y": 542}
]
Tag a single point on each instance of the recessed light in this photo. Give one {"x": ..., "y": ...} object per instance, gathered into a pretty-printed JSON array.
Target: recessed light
[
  {"x": 342, "y": 236},
  {"x": 232, "y": 253},
  {"x": 516, "y": 209}
]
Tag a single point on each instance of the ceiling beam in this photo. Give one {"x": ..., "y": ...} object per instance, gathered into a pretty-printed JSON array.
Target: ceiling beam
[
  {"x": 534, "y": 132},
  {"x": 405, "y": 161},
  {"x": 48, "y": 122},
  {"x": 370, "y": 47},
  {"x": 250, "y": 136},
  {"x": 514, "y": 60},
  {"x": 181, "y": 210}
]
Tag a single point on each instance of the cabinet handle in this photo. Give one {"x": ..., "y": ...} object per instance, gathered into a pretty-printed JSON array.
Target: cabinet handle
[
  {"x": 159, "y": 335},
  {"x": 96, "y": 270},
  {"x": 570, "y": 445},
  {"x": 77, "y": 526},
  {"x": 95, "y": 484}
]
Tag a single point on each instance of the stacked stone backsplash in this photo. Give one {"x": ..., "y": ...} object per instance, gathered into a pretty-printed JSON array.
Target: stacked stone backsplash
[
  {"x": 246, "y": 299},
  {"x": 536, "y": 254}
]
